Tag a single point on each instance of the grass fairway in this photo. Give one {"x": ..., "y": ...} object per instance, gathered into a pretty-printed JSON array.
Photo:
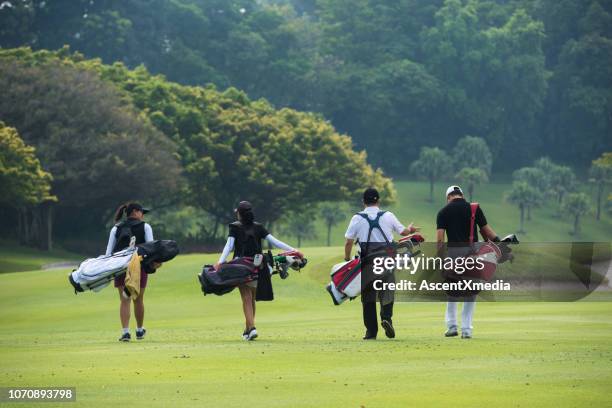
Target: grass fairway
[
  {"x": 309, "y": 353},
  {"x": 15, "y": 258}
]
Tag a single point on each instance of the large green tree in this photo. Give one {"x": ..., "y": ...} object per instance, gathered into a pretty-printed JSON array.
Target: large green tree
[
  {"x": 495, "y": 76},
  {"x": 26, "y": 189},
  {"x": 581, "y": 87},
  {"x": 531, "y": 77},
  {"x": 22, "y": 179},
  {"x": 601, "y": 175},
  {"x": 233, "y": 148},
  {"x": 100, "y": 151}
]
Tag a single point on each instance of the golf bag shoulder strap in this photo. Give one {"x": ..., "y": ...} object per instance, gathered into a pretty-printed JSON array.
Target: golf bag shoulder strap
[
  {"x": 119, "y": 227},
  {"x": 126, "y": 225},
  {"x": 372, "y": 225},
  {"x": 370, "y": 221},
  {"x": 473, "y": 209},
  {"x": 375, "y": 223},
  {"x": 124, "y": 235}
]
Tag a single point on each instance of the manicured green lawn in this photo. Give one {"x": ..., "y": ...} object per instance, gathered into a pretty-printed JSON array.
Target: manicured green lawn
[
  {"x": 309, "y": 353},
  {"x": 15, "y": 258}
]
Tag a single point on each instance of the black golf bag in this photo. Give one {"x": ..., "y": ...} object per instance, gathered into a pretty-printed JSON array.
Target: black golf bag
[{"x": 229, "y": 275}]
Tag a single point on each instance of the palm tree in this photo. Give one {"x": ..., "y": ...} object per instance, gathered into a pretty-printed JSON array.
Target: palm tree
[
  {"x": 524, "y": 196},
  {"x": 302, "y": 227},
  {"x": 472, "y": 177},
  {"x": 332, "y": 214},
  {"x": 576, "y": 204},
  {"x": 433, "y": 163},
  {"x": 473, "y": 152},
  {"x": 562, "y": 179},
  {"x": 536, "y": 178}
]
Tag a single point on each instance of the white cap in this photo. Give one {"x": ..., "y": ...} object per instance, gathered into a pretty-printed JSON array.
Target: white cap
[{"x": 453, "y": 189}]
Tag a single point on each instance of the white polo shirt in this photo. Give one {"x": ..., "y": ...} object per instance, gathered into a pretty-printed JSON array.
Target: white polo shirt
[{"x": 358, "y": 227}]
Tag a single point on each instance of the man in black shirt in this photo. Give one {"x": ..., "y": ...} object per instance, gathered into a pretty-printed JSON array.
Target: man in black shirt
[{"x": 454, "y": 220}]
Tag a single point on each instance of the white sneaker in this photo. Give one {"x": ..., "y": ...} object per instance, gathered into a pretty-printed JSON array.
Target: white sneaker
[{"x": 252, "y": 335}]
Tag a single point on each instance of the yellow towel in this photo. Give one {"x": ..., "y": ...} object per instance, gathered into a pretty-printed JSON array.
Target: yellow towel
[{"x": 132, "y": 276}]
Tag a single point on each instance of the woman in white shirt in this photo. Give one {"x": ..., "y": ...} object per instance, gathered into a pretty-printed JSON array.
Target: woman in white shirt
[{"x": 133, "y": 226}]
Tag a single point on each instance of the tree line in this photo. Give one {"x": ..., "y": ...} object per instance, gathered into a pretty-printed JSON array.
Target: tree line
[
  {"x": 105, "y": 134},
  {"x": 80, "y": 136},
  {"x": 532, "y": 78},
  {"x": 545, "y": 181}
]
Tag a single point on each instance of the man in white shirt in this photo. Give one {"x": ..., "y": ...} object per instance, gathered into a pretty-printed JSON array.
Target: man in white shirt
[{"x": 374, "y": 229}]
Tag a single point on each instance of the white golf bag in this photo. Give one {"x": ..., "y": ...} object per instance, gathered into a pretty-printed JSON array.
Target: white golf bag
[
  {"x": 346, "y": 276},
  {"x": 96, "y": 273},
  {"x": 345, "y": 281}
]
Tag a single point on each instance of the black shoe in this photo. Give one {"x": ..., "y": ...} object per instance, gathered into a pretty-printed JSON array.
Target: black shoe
[
  {"x": 451, "y": 332},
  {"x": 140, "y": 334},
  {"x": 389, "y": 330},
  {"x": 125, "y": 337},
  {"x": 369, "y": 336}
]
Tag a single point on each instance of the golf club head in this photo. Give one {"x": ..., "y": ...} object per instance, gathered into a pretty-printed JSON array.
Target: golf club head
[
  {"x": 510, "y": 239},
  {"x": 283, "y": 272}
]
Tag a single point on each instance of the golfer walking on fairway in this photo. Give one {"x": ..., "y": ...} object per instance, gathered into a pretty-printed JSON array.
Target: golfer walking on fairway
[
  {"x": 120, "y": 236},
  {"x": 374, "y": 229},
  {"x": 454, "y": 220},
  {"x": 244, "y": 239}
]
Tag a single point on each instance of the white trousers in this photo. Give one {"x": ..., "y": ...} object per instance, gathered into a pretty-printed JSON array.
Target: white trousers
[{"x": 467, "y": 313}]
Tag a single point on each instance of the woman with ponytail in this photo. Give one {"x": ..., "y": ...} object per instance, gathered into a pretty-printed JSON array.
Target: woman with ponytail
[
  {"x": 245, "y": 236},
  {"x": 119, "y": 213},
  {"x": 133, "y": 226}
]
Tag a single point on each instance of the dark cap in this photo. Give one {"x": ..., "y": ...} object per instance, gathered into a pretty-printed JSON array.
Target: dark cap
[
  {"x": 243, "y": 206},
  {"x": 371, "y": 196},
  {"x": 136, "y": 207}
]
